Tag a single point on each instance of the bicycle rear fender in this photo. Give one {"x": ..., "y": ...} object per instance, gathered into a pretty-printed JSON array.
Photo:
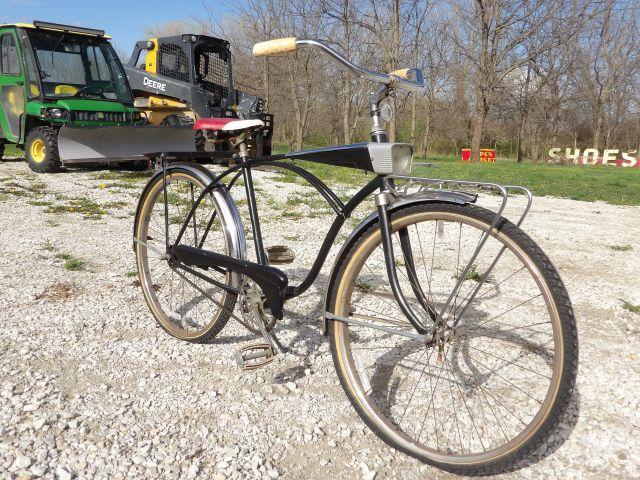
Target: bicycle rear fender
[
  {"x": 231, "y": 219},
  {"x": 417, "y": 198}
]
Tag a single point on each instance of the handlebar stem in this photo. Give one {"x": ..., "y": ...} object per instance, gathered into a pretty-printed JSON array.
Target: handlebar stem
[{"x": 378, "y": 132}]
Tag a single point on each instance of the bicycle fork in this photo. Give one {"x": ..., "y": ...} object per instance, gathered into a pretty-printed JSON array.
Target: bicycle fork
[{"x": 382, "y": 201}]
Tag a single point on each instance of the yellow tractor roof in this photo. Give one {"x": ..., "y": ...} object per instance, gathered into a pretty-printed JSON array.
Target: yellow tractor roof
[{"x": 40, "y": 25}]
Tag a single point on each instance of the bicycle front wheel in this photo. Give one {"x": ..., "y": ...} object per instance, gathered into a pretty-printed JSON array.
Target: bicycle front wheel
[{"x": 491, "y": 385}]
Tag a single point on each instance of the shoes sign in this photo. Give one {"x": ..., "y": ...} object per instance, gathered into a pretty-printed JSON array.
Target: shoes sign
[{"x": 591, "y": 156}]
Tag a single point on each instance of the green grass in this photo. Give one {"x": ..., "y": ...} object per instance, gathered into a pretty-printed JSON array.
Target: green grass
[
  {"x": 365, "y": 285},
  {"x": 122, "y": 179},
  {"x": 615, "y": 185},
  {"x": 631, "y": 307},
  {"x": 88, "y": 208},
  {"x": 33, "y": 190},
  {"x": 11, "y": 150},
  {"x": 71, "y": 263},
  {"x": 621, "y": 248},
  {"x": 48, "y": 246},
  {"x": 40, "y": 203},
  {"x": 472, "y": 274},
  {"x": 115, "y": 204}
]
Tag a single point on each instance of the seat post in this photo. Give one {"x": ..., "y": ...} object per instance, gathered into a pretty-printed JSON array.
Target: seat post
[
  {"x": 261, "y": 255},
  {"x": 243, "y": 150}
]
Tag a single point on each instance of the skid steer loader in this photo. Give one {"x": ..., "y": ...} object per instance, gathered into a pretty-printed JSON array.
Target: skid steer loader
[
  {"x": 181, "y": 78},
  {"x": 65, "y": 98}
]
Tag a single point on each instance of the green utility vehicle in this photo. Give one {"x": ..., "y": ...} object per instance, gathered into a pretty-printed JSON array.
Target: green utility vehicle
[{"x": 53, "y": 75}]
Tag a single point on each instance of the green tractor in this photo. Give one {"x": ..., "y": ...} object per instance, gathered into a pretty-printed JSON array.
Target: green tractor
[{"x": 53, "y": 75}]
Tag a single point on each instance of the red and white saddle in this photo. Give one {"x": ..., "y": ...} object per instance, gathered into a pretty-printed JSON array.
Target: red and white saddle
[{"x": 228, "y": 126}]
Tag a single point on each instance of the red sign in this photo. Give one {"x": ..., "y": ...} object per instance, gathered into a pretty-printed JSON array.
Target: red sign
[{"x": 486, "y": 155}]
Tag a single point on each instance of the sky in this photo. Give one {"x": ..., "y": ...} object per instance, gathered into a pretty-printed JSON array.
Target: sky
[{"x": 124, "y": 20}]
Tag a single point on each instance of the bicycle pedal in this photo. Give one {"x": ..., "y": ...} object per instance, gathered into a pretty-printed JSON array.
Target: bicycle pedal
[
  {"x": 254, "y": 356},
  {"x": 280, "y": 254}
]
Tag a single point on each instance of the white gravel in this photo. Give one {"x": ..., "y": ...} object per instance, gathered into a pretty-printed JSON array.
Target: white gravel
[{"x": 91, "y": 388}]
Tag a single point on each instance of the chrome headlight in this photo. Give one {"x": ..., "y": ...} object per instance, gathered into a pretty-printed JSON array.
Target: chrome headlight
[
  {"x": 391, "y": 158},
  {"x": 55, "y": 112}
]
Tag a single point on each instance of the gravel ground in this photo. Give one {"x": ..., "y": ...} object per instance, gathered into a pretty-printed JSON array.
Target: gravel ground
[{"x": 91, "y": 388}]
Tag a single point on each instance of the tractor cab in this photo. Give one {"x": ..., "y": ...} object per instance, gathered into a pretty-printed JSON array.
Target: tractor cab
[
  {"x": 179, "y": 79},
  {"x": 76, "y": 66},
  {"x": 192, "y": 68}
]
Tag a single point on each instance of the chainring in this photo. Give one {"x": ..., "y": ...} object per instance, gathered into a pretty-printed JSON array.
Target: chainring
[{"x": 253, "y": 308}]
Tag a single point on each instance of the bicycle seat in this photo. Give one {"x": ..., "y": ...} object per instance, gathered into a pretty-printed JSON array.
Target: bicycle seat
[{"x": 228, "y": 126}]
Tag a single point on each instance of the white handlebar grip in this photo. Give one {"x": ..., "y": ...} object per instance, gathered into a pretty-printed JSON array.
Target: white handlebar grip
[{"x": 274, "y": 47}]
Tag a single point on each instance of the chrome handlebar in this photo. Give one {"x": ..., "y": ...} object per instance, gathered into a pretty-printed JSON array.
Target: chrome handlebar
[
  {"x": 413, "y": 81},
  {"x": 414, "y": 85}
]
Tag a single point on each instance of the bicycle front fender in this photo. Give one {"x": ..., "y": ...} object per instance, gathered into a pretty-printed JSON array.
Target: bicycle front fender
[{"x": 417, "y": 198}]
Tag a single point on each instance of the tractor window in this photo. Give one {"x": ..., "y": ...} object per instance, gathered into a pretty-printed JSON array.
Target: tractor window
[
  {"x": 173, "y": 62},
  {"x": 32, "y": 76},
  {"x": 9, "y": 55},
  {"x": 98, "y": 65},
  {"x": 142, "y": 60},
  {"x": 213, "y": 74},
  {"x": 62, "y": 67}
]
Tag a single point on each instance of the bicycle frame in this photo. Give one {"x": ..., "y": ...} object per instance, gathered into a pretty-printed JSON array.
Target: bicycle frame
[{"x": 342, "y": 210}]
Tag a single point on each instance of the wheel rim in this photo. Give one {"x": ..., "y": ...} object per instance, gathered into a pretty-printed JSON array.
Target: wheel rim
[
  {"x": 353, "y": 365},
  {"x": 38, "y": 150},
  {"x": 184, "y": 305}
]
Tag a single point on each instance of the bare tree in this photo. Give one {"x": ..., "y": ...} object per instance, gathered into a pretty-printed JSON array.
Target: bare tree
[
  {"x": 612, "y": 55},
  {"x": 494, "y": 36},
  {"x": 520, "y": 75}
]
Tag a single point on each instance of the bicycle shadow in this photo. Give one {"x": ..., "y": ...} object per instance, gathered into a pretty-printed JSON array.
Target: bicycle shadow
[{"x": 568, "y": 422}]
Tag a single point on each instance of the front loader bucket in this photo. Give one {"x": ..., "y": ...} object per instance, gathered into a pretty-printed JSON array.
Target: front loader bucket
[{"x": 118, "y": 144}]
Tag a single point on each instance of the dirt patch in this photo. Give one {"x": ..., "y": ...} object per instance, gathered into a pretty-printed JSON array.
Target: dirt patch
[{"x": 59, "y": 291}]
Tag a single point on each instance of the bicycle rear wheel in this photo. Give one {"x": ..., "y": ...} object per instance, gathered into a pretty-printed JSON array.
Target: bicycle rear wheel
[
  {"x": 182, "y": 302},
  {"x": 493, "y": 384}
]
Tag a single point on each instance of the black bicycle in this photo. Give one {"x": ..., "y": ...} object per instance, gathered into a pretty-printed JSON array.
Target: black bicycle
[{"x": 451, "y": 331}]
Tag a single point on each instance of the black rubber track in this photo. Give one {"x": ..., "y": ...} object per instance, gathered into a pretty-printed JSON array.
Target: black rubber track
[
  {"x": 567, "y": 321},
  {"x": 228, "y": 306}
]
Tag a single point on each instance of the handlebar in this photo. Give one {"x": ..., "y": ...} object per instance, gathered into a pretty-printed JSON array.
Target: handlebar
[{"x": 408, "y": 78}]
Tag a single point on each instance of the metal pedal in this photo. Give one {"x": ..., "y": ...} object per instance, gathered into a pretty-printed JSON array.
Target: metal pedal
[
  {"x": 254, "y": 356},
  {"x": 280, "y": 254}
]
